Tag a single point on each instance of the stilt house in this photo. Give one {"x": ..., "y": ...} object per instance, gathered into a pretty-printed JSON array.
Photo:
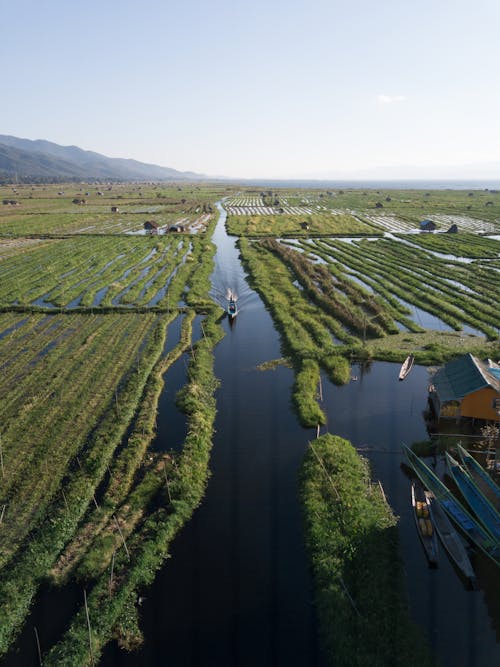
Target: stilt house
[{"x": 467, "y": 387}]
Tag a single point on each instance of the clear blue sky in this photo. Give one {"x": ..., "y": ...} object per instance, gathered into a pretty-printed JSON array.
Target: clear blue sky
[{"x": 257, "y": 89}]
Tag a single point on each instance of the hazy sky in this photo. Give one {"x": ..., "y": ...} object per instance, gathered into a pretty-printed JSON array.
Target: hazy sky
[{"x": 292, "y": 88}]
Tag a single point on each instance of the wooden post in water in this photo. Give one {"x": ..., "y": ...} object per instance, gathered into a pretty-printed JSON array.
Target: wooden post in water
[
  {"x": 320, "y": 389},
  {"x": 38, "y": 645}
]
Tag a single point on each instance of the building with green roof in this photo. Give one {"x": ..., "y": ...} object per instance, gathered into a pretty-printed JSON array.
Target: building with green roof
[{"x": 467, "y": 387}]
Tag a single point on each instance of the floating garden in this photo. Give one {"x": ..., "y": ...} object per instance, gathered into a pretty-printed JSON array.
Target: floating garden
[
  {"x": 87, "y": 306},
  {"x": 335, "y": 300},
  {"x": 297, "y": 213},
  {"x": 352, "y": 540},
  {"x": 83, "y": 333}
]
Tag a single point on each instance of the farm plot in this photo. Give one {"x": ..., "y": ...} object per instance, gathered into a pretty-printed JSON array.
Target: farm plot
[
  {"x": 60, "y": 375},
  {"x": 368, "y": 298},
  {"x": 266, "y": 204},
  {"x": 103, "y": 395},
  {"x": 316, "y": 224},
  {"x": 117, "y": 209},
  {"x": 389, "y": 223},
  {"x": 92, "y": 272},
  {"x": 460, "y": 294},
  {"x": 459, "y": 245},
  {"x": 93, "y": 220},
  {"x": 10, "y": 247},
  {"x": 79, "y": 391},
  {"x": 466, "y": 223}
]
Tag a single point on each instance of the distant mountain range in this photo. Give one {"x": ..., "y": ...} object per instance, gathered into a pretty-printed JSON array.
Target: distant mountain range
[{"x": 24, "y": 160}]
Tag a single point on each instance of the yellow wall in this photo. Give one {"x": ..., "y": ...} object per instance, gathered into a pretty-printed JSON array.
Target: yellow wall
[{"x": 480, "y": 404}]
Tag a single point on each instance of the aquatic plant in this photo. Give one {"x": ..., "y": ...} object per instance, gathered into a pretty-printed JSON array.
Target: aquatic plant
[{"x": 352, "y": 541}]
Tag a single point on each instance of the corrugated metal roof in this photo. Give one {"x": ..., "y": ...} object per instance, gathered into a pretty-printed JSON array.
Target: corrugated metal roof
[{"x": 463, "y": 376}]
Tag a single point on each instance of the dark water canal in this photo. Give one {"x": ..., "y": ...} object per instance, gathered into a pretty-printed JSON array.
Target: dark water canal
[{"x": 237, "y": 590}]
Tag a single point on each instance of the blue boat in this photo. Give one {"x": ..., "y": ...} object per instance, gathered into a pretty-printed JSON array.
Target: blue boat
[
  {"x": 450, "y": 539},
  {"x": 478, "y": 503},
  {"x": 455, "y": 510},
  {"x": 480, "y": 476}
]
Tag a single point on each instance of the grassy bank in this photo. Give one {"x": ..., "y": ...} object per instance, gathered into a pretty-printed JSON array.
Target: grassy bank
[{"x": 352, "y": 541}]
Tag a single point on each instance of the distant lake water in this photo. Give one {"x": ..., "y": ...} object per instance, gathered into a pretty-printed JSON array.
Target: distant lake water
[{"x": 393, "y": 184}]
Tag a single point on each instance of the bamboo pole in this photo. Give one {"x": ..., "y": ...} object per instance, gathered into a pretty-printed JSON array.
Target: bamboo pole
[
  {"x": 348, "y": 595},
  {"x": 166, "y": 480},
  {"x": 3, "y": 512},
  {"x": 121, "y": 535},
  {"x": 38, "y": 646},
  {"x": 111, "y": 575},
  {"x": 88, "y": 624},
  {"x": 65, "y": 501},
  {"x": 1, "y": 457},
  {"x": 325, "y": 471}
]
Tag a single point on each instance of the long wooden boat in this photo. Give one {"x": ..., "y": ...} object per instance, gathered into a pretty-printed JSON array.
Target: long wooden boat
[
  {"x": 450, "y": 539},
  {"x": 423, "y": 521},
  {"x": 407, "y": 366},
  {"x": 484, "y": 481},
  {"x": 454, "y": 509},
  {"x": 476, "y": 500}
]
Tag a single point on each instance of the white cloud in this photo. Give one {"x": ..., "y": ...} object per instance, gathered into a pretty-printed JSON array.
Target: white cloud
[{"x": 390, "y": 99}]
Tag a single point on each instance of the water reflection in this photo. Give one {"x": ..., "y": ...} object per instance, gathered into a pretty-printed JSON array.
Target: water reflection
[{"x": 378, "y": 413}]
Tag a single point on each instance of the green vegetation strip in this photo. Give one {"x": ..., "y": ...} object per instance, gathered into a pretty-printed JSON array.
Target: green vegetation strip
[
  {"x": 317, "y": 224},
  {"x": 307, "y": 334},
  {"x": 352, "y": 541},
  {"x": 59, "y": 519},
  {"x": 111, "y": 606},
  {"x": 98, "y": 537}
]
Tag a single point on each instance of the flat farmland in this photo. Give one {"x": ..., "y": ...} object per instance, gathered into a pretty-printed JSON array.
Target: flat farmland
[
  {"x": 53, "y": 397},
  {"x": 297, "y": 213},
  {"x": 92, "y": 272},
  {"x": 333, "y": 300},
  {"x": 104, "y": 209},
  {"x": 86, "y": 304}
]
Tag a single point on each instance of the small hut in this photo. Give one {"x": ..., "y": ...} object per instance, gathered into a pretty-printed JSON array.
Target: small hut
[
  {"x": 453, "y": 229},
  {"x": 428, "y": 226},
  {"x": 151, "y": 226},
  {"x": 304, "y": 225},
  {"x": 114, "y": 209},
  {"x": 176, "y": 228}
]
